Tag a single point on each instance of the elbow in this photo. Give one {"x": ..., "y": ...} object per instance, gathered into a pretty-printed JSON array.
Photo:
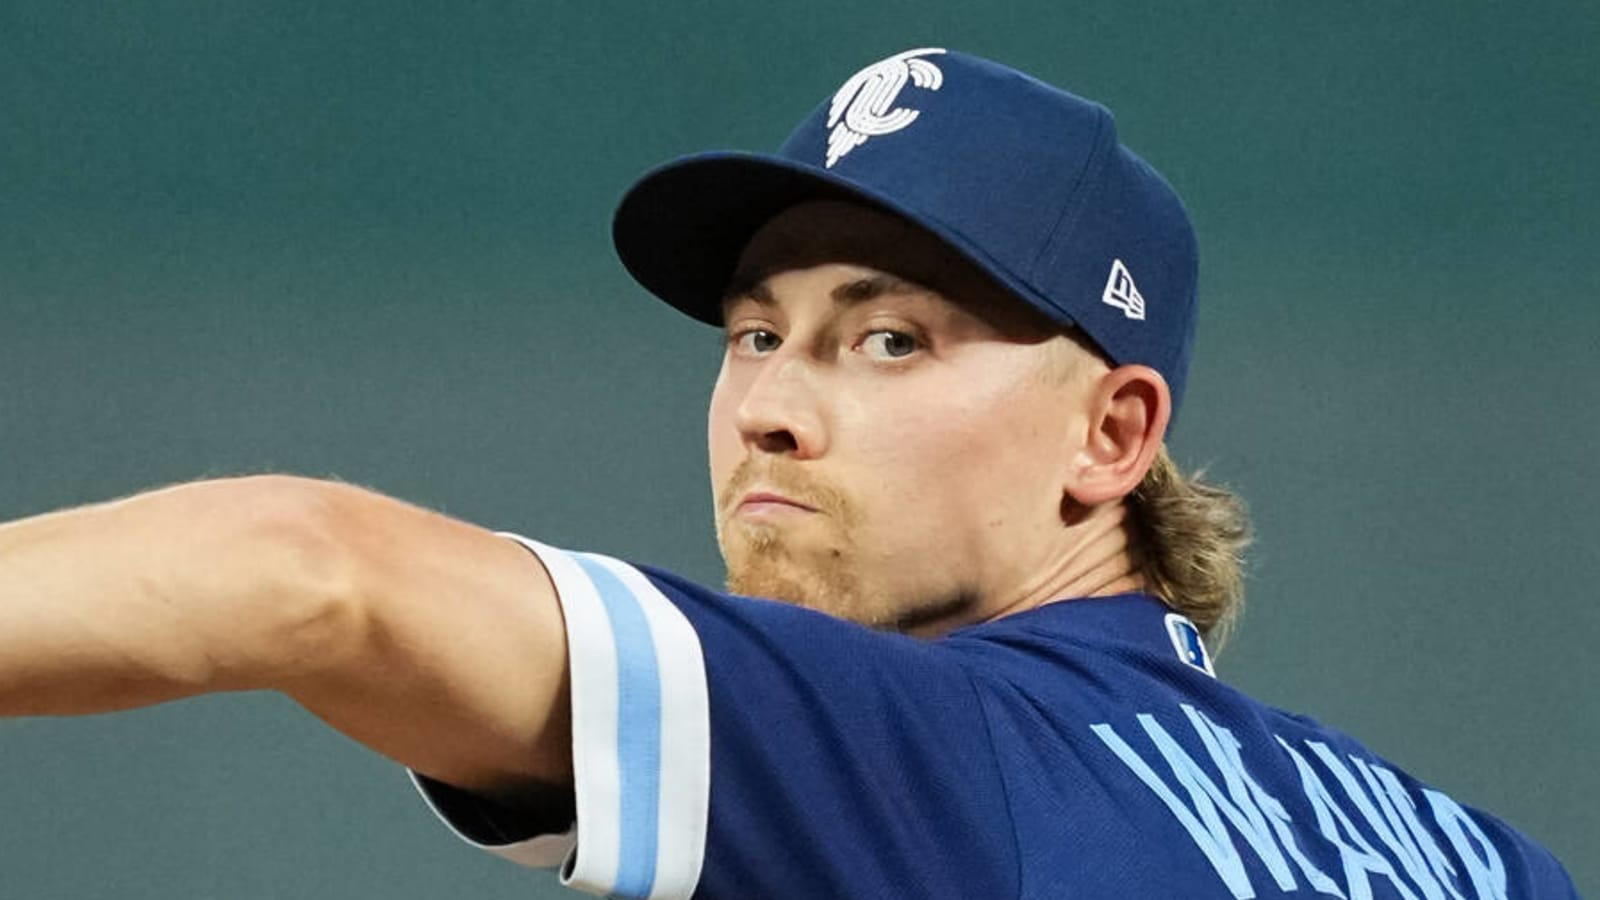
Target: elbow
[{"x": 300, "y": 607}]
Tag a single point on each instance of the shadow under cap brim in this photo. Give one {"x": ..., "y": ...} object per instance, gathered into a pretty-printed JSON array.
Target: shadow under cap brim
[{"x": 681, "y": 229}]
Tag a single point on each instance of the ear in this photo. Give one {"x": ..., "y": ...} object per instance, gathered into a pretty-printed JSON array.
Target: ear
[{"x": 1128, "y": 417}]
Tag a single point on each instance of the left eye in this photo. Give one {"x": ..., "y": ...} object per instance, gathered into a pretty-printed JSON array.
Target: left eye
[{"x": 890, "y": 344}]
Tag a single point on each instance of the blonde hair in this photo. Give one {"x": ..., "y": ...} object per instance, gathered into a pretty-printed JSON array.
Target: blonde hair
[{"x": 1188, "y": 540}]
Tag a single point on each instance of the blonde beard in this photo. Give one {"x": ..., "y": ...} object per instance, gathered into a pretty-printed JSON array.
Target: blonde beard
[
  {"x": 761, "y": 559},
  {"x": 825, "y": 572},
  {"x": 761, "y": 564}
]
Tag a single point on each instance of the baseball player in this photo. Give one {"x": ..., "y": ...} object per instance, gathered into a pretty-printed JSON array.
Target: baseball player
[{"x": 964, "y": 650}]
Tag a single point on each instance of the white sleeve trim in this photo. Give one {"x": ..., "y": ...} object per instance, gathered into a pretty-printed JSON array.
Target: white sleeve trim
[{"x": 641, "y": 736}]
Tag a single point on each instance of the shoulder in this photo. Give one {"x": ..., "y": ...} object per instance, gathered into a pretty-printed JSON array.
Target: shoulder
[{"x": 771, "y": 743}]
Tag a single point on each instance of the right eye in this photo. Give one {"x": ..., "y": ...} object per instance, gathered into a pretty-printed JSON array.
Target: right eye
[{"x": 756, "y": 341}]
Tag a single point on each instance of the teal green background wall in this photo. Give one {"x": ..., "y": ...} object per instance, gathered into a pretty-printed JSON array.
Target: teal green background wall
[{"x": 369, "y": 240}]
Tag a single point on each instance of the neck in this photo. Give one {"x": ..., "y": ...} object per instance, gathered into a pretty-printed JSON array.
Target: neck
[{"x": 1093, "y": 559}]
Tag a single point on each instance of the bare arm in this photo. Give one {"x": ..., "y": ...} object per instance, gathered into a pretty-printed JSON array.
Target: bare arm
[{"x": 431, "y": 641}]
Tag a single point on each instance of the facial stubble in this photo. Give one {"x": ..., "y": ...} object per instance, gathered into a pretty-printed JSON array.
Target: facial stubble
[
  {"x": 812, "y": 562},
  {"x": 817, "y": 561}
]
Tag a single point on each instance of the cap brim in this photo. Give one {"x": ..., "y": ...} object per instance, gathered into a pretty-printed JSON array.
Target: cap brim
[{"x": 681, "y": 228}]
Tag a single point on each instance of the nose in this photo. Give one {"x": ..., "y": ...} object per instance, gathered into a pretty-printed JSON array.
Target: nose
[{"x": 780, "y": 412}]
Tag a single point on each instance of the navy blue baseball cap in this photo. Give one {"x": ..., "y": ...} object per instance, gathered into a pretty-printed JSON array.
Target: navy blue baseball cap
[{"x": 1025, "y": 180}]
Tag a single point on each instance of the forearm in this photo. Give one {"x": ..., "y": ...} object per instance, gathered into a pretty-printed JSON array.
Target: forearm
[
  {"x": 429, "y": 640},
  {"x": 211, "y": 586}
]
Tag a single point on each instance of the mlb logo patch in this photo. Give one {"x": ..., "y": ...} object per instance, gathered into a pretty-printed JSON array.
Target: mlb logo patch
[{"x": 1188, "y": 644}]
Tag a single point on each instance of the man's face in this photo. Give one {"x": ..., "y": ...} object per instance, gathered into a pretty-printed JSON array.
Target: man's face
[{"x": 890, "y": 433}]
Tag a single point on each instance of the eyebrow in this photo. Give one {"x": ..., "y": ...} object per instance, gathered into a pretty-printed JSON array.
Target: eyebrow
[{"x": 850, "y": 293}]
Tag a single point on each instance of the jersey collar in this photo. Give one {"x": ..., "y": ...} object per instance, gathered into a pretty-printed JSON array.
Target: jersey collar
[{"x": 1135, "y": 618}]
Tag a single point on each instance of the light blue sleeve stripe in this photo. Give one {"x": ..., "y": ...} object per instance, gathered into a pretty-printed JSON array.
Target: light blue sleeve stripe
[{"x": 638, "y": 731}]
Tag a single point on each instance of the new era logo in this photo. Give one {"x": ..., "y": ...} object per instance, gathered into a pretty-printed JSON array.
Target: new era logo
[{"x": 1121, "y": 292}]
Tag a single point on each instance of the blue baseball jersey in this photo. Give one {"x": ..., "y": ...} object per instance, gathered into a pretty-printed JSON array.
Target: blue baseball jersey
[{"x": 725, "y": 747}]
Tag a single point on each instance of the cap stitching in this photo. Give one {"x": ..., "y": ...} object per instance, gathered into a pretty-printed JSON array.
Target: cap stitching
[{"x": 1070, "y": 211}]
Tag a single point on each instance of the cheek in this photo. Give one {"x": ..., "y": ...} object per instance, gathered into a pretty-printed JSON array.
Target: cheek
[
  {"x": 908, "y": 443},
  {"x": 723, "y": 444},
  {"x": 969, "y": 448},
  {"x": 946, "y": 412}
]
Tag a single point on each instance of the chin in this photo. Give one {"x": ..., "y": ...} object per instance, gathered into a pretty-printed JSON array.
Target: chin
[
  {"x": 825, "y": 578},
  {"x": 772, "y": 580},
  {"x": 832, "y": 591},
  {"x": 771, "y": 574}
]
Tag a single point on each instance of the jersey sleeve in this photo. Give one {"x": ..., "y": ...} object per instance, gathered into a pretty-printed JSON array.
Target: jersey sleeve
[{"x": 728, "y": 747}]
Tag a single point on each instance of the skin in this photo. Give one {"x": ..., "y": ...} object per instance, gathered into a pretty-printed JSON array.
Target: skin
[
  {"x": 432, "y": 641},
  {"x": 891, "y": 439},
  {"x": 895, "y": 440}
]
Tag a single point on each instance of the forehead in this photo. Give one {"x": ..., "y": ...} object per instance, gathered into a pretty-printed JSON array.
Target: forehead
[{"x": 824, "y": 232}]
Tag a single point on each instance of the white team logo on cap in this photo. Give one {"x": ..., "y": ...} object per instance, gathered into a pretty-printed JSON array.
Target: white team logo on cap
[
  {"x": 1122, "y": 293},
  {"x": 864, "y": 106}
]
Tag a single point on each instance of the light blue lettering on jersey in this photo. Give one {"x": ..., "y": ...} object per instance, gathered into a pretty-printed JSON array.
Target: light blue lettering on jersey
[
  {"x": 1224, "y": 749},
  {"x": 1242, "y": 804},
  {"x": 1485, "y": 869},
  {"x": 1355, "y": 851},
  {"x": 1396, "y": 840},
  {"x": 1419, "y": 847},
  {"x": 1201, "y": 823},
  {"x": 1406, "y": 808}
]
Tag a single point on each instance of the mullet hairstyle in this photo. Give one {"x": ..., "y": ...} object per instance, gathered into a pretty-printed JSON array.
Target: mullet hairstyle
[{"x": 1188, "y": 540}]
